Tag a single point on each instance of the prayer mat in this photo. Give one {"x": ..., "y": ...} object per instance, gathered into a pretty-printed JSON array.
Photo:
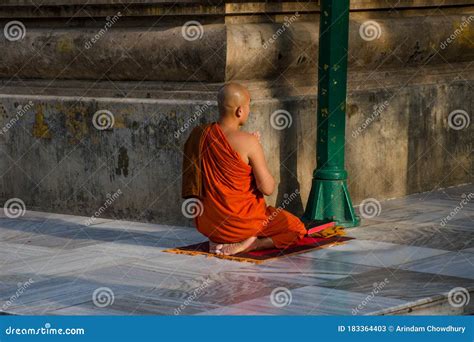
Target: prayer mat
[{"x": 306, "y": 244}]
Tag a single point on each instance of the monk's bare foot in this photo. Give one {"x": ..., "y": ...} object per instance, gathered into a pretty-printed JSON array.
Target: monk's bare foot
[
  {"x": 234, "y": 248},
  {"x": 215, "y": 247}
]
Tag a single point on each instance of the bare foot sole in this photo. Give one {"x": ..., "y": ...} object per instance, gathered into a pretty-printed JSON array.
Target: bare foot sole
[
  {"x": 214, "y": 247},
  {"x": 234, "y": 248}
]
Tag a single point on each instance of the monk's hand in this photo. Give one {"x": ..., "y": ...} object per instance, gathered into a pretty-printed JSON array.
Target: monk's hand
[{"x": 258, "y": 135}]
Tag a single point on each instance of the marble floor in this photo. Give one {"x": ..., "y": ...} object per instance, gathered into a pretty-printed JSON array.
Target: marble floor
[{"x": 402, "y": 261}]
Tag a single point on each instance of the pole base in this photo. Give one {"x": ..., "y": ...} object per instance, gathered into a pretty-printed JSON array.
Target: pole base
[{"x": 329, "y": 200}]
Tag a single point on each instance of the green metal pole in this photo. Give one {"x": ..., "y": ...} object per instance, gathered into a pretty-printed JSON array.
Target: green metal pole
[{"x": 329, "y": 199}]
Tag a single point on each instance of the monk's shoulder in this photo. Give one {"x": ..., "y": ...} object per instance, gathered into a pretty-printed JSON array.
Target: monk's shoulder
[
  {"x": 245, "y": 135},
  {"x": 245, "y": 138},
  {"x": 240, "y": 141}
]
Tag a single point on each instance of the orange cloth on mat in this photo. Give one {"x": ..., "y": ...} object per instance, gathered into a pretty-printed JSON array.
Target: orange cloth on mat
[{"x": 234, "y": 209}]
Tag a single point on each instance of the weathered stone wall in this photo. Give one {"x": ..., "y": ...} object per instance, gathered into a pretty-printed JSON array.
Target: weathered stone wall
[{"x": 402, "y": 87}]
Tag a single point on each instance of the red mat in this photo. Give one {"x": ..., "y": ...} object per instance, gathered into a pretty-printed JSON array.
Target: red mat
[{"x": 304, "y": 245}]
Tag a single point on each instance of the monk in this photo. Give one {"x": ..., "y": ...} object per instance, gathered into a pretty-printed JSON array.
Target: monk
[{"x": 232, "y": 179}]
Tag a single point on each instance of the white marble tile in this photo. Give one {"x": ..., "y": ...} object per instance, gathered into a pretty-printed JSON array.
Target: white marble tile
[
  {"x": 313, "y": 300},
  {"x": 163, "y": 230},
  {"x": 47, "y": 295},
  {"x": 421, "y": 235},
  {"x": 374, "y": 253},
  {"x": 305, "y": 270},
  {"x": 230, "y": 311},
  {"x": 470, "y": 250},
  {"x": 87, "y": 309},
  {"x": 456, "y": 264},
  {"x": 133, "y": 248},
  {"x": 12, "y": 252},
  {"x": 42, "y": 216},
  {"x": 62, "y": 262}
]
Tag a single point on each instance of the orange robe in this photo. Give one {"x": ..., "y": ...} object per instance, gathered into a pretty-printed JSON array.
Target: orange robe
[{"x": 234, "y": 209}]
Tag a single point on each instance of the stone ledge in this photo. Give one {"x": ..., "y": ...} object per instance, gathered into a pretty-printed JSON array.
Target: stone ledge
[
  {"x": 227, "y": 51},
  {"x": 358, "y": 81},
  {"x": 144, "y": 8}
]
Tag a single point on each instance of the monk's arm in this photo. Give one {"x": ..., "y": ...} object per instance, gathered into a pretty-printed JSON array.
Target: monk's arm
[{"x": 263, "y": 177}]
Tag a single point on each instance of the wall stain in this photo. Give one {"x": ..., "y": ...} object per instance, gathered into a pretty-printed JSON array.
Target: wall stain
[
  {"x": 64, "y": 45},
  {"x": 40, "y": 127},
  {"x": 122, "y": 163},
  {"x": 417, "y": 54},
  {"x": 76, "y": 123},
  {"x": 466, "y": 35},
  {"x": 3, "y": 112}
]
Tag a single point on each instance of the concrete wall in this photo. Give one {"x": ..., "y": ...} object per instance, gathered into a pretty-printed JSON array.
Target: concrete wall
[{"x": 157, "y": 85}]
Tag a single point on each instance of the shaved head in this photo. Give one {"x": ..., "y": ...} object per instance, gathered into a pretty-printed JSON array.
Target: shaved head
[{"x": 233, "y": 97}]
